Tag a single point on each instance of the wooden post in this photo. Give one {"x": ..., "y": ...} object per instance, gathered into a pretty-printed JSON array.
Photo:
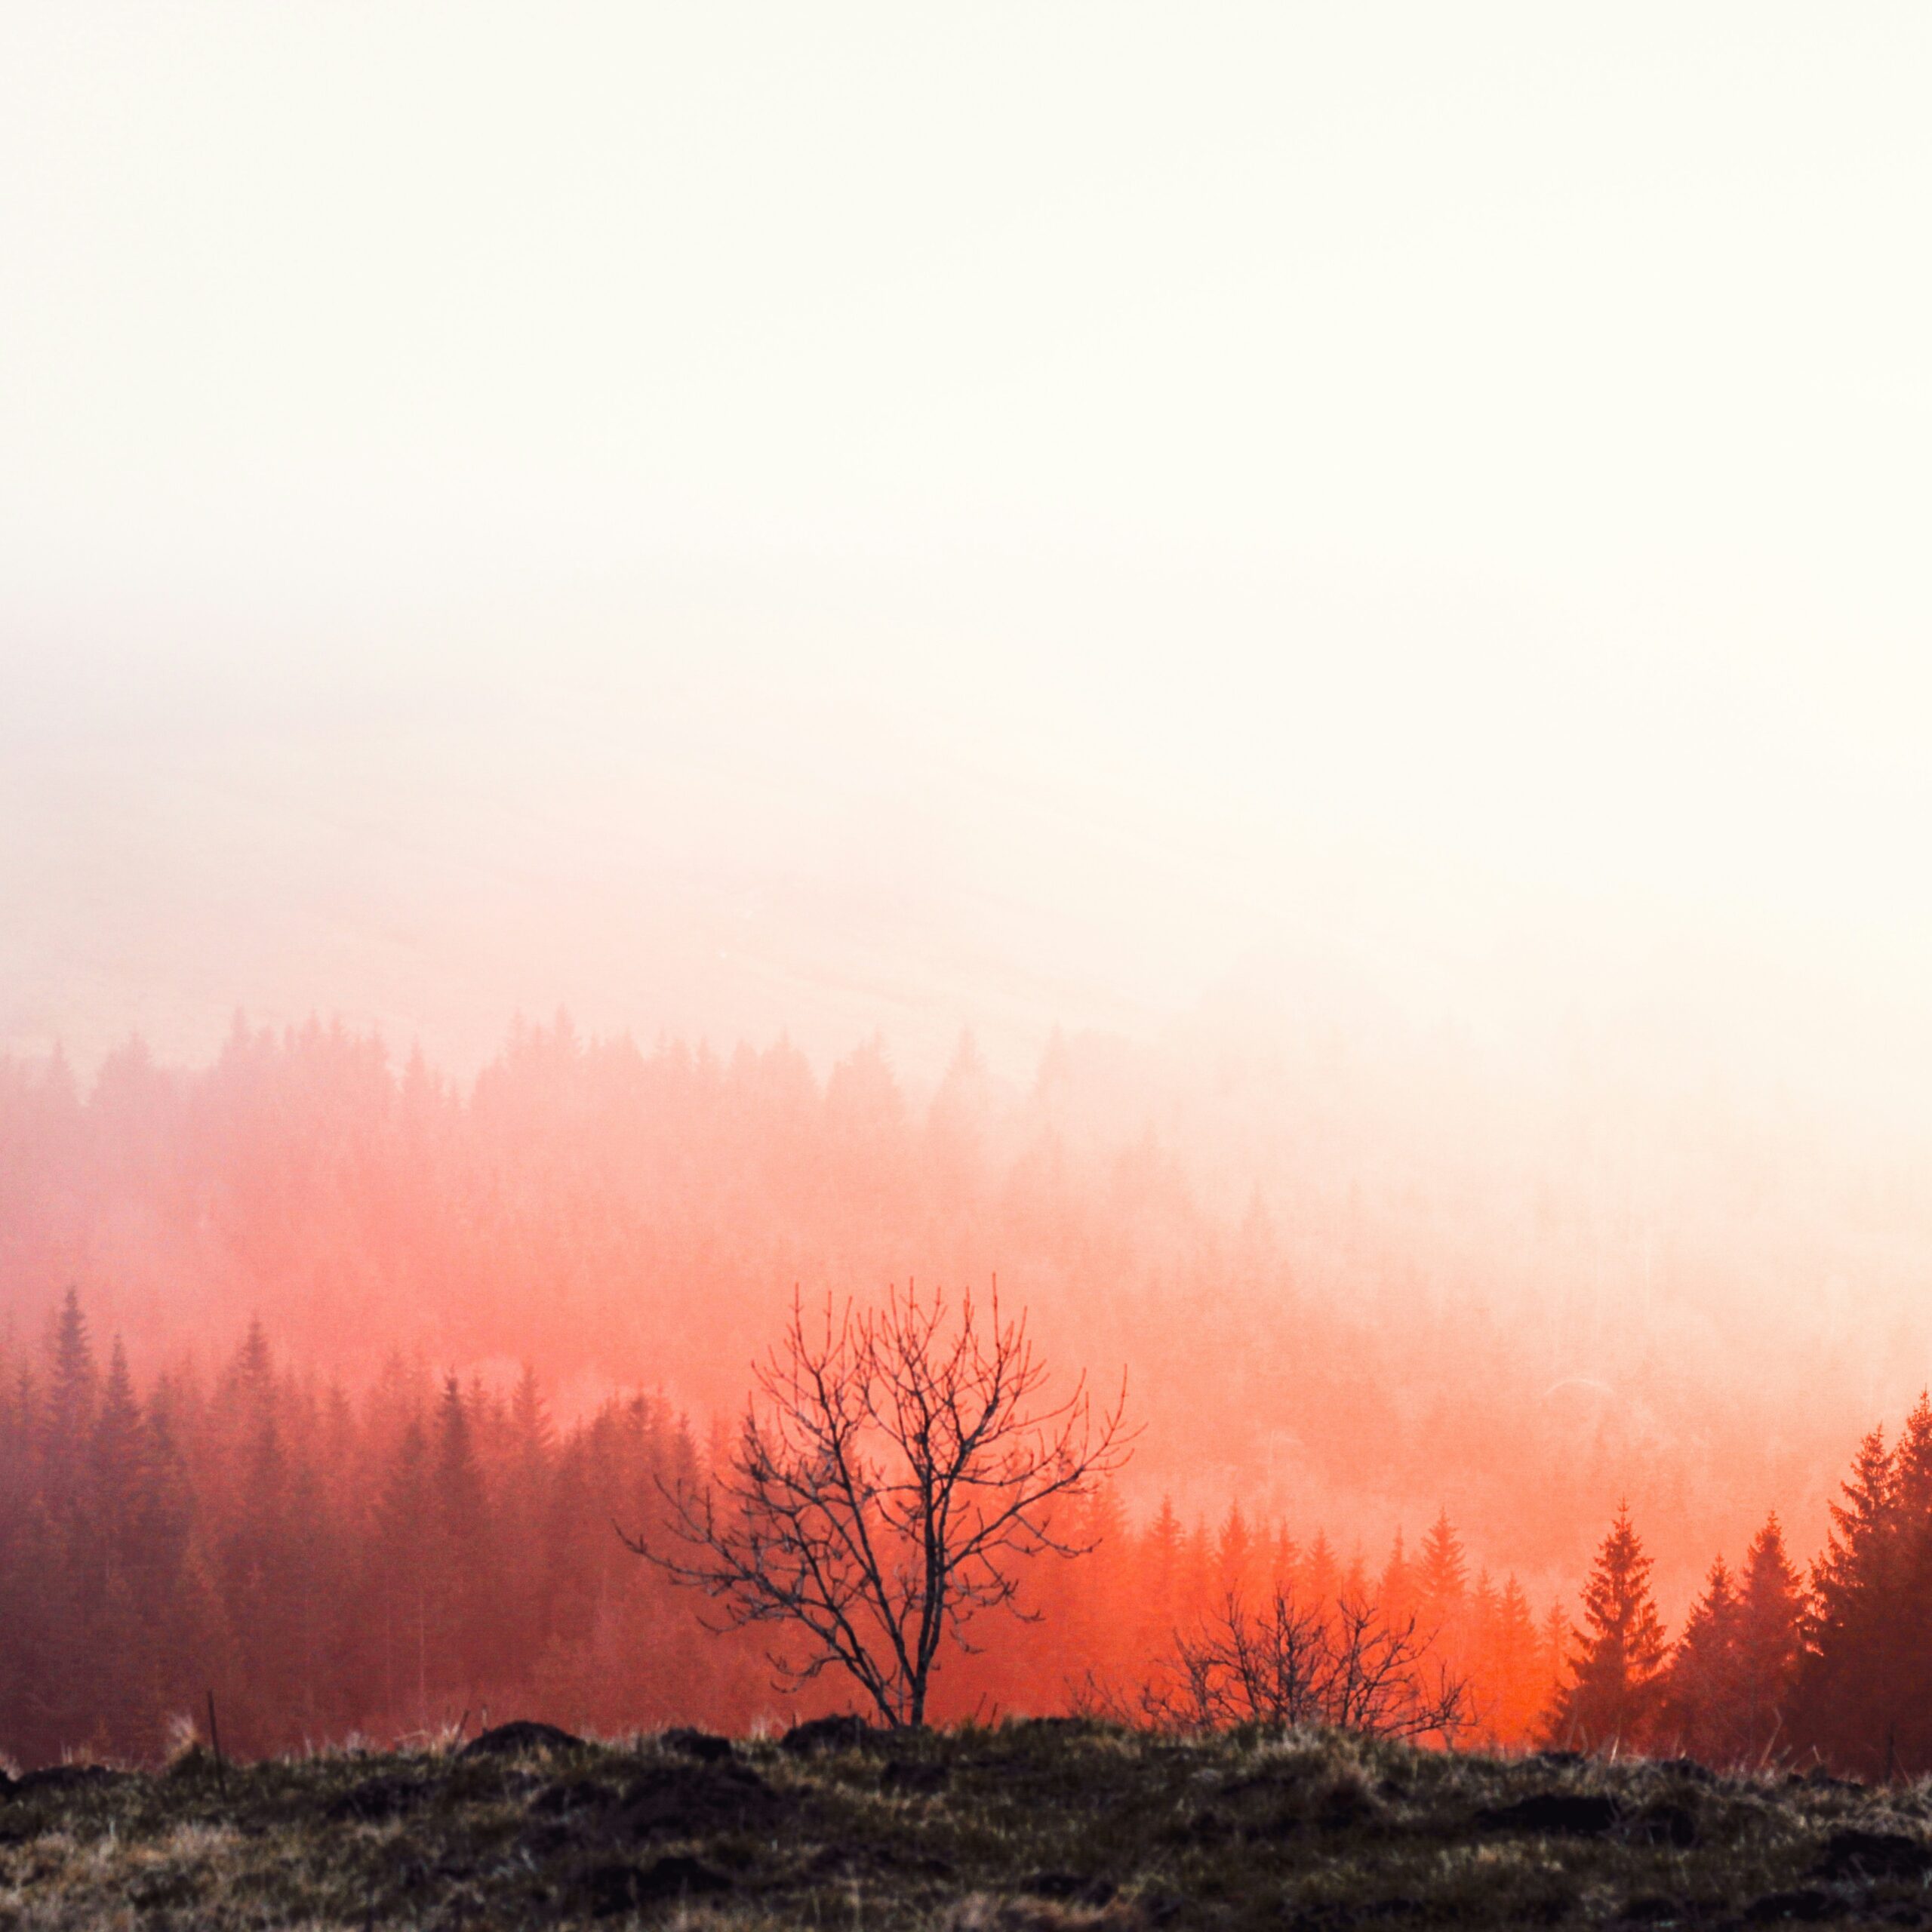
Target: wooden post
[{"x": 214, "y": 1738}]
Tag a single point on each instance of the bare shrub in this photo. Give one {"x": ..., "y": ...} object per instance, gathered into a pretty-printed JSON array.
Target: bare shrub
[{"x": 1342, "y": 1664}]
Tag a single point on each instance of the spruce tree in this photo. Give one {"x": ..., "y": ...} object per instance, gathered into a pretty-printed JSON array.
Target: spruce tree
[
  {"x": 1284, "y": 1561},
  {"x": 118, "y": 1455},
  {"x": 1910, "y": 1492},
  {"x": 461, "y": 1557},
  {"x": 118, "y": 1617},
  {"x": 1852, "y": 1573},
  {"x": 258, "y": 1570},
  {"x": 67, "y": 1413},
  {"x": 1321, "y": 1575},
  {"x": 522, "y": 1506},
  {"x": 66, "y": 1559},
  {"x": 1701, "y": 1700},
  {"x": 1514, "y": 1654},
  {"x": 1907, "y": 1619},
  {"x": 1770, "y": 1605},
  {"x": 1396, "y": 1589},
  {"x": 1234, "y": 1556},
  {"x": 1616, "y": 1661},
  {"x": 1555, "y": 1650},
  {"x": 399, "y": 1584},
  {"x": 1845, "y": 1704},
  {"x": 1441, "y": 1580}
]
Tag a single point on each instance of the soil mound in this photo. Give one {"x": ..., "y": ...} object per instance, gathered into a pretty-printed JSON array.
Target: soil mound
[
  {"x": 671, "y": 1802},
  {"x": 514, "y": 1740},
  {"x": 1855, "y": 1854},
  {"x": 606, "y": 1891},
  {"x": 1567, "y": 1814},
  {"x": 705, "y": 1745},
  {"x": 375, "y": 1799},
  {"x": 847, "y": 1732},
  {"x": 66, "y": 1777}
]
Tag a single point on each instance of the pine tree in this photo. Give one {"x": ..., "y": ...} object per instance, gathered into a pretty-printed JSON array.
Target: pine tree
[
  {"x": 1907, "y": 1619},
  {"x": 1234, "y": 1554},
  {"x": 1845, "y": 1704},
  {"x": 183, "y": 1652},
  {"x": 398, "y": 1584},
  {"x": 1395, "y": 1587},
  {"x": 461, "y": 1562},
  {"x": 1441, "y": 1580},
  {"x": 117, "y": 1626},
  {"x": 67, "y": 1412},
  {"x": 1853, "y": 1571},
  {"x": 1910, "y": 1491},
  {"x": 1284, "y": 1561},
  {"x": 1770, "y": 1606},
  {"x": 253, "y": 1368},
  {"x": 1701, "y": 1692},
  {"x": 1162, "y": 1547},
  {"x": 117, "y": 1458},
  {"x": 1321, "y": 1575},
  {"x": 1617, "y": 1656},
  {"x": 1197, "y": 1596},
  {"x": 258, "y": 1556},
  {"x": 1162, "y": 1552},
  {"x": 1517, "y": 1669},
  {"x": 523, "y": 1503},
  {"x": 66, "y": 1559},
  {"x": 1356, "y": 1587}
]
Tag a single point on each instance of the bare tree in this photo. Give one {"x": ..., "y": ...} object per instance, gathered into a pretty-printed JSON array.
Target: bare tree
[
  {"x": 894, "y": 1468},
  {"x": 1344, "y": 1664}
]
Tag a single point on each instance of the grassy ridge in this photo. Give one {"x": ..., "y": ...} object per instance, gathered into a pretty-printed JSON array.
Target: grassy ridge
[{"x": 1025, "y": 1827}]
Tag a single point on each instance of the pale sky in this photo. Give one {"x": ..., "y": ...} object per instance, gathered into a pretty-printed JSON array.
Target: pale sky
[{"x": 734, "y": 518}]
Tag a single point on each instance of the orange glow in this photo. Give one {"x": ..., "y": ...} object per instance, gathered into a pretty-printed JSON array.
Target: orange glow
[
  {"x": 1263, "y": 669},
  {"x": 1322, "y": 1386}
]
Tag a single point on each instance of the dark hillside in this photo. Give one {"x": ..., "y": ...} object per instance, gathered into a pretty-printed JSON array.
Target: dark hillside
[{"x": 1055, "y": 1824}]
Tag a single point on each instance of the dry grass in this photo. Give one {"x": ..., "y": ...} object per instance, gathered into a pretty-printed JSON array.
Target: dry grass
[{"x": 1055, "y": 1827}]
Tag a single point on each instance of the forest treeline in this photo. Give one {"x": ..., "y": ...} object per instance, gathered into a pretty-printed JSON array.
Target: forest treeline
[
  {"x": 1324, "y": 1304},
  {"x": 365, "y": 1544},
  {"x": 1834, "y": 1668},
  {"x": 328, "y": 1564},
  {"x": 325, "y": 1564}
]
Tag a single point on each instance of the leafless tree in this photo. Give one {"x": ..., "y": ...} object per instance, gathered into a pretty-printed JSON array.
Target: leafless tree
[
  {"x": 894, "y": 1468},
  {"x": 1342, "y": 1664}
]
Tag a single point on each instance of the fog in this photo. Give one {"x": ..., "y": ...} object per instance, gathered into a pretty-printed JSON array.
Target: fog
[{"x": 1362, "y": 570}]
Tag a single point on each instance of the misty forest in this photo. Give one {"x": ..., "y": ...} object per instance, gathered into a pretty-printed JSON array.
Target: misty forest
[
  {"x": 329, "y": 1387},
  {"x": 964, "y": 967}
]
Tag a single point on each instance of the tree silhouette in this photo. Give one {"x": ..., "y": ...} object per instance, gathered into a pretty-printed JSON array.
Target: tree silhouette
[
  {"x": 1441, "y": 1580},
  {"x": 1617, "y": 1657},
  {"x": 67, "y": 1415},
  {"x": 892, "y": 1471},
  {"x": 1514, "y": 1651},
  {"x": 1770, "y": 1607},
  {"x": 1846, "y": 1700},
  {"x": 1701, "y": 1696}
]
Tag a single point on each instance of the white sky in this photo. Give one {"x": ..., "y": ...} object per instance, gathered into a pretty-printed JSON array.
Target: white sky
[{"x": 740, "y": 517}]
